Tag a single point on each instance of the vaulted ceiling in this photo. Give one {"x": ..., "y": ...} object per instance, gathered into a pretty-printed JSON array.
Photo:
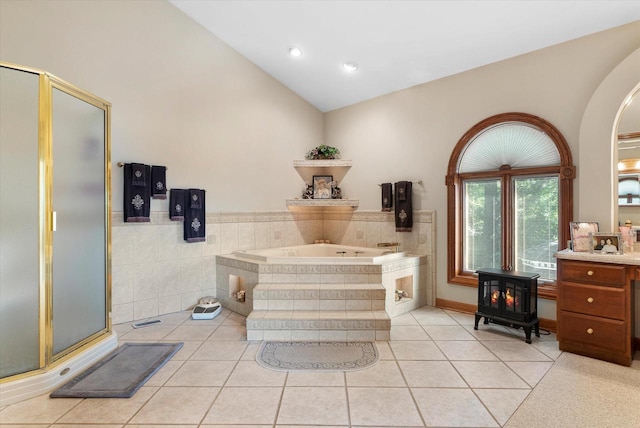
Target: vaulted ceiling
[{"x": 395, "y": 44}]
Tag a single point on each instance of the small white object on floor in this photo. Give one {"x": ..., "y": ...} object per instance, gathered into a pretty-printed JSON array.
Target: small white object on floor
[{"x": 206, "y": 311}]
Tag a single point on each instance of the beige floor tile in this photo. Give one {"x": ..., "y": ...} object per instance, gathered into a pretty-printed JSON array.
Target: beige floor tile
[
  {"x": 144, "y": 426},
  {"x": 250, "y": 373},
  {"x": 515, "y": 351},
  {"x": 384, "y": 350},
  {"x": 188, "y": 348},
  {"x": 550, "y": 348},
  {"x": 416, "y": 350},
  {"x": 75, "y": 426},
  {"x": 404, "y": 319},
  {"x": 460, "y": 350},
  {"x": 531, "y": 372},
  {"x": 176, "y": 318},
  {"x": 38, "y": 410},
  {"x": 462, "y": 319},
  {"x": 154, "y": 332},
  {"x": 502, "y": 402},
  {"x": 431, "y": 374},
  {"x": 438, "y": 318},
  {"x": 108, "y": 410},
  {"x": 296, "y": 378},
  {"x": 236, "y": 426},
  {"x": 235, "y": 319},
  {"x": 43, "y": 425},
  {"x": 212, "y": 350},
  {"x": 165, "y": 372},
  {"x": 490, "y": 332},
  {"x": 177, "y": 405},
  {"x": 244, "y": 406},
  {"x": 389, "y": 407},
  {"x": 408, "y": 332},
  {"x": 452, "y": 408},
  {"x": 202, "y": 373},
  {"x": 229, "y": 332},
  {"x": 447, "y": 332},
  {"x": 313, "y": 405},
  {"x": 190, "y": 332},
  {"x": 484, "y": 374},
  {"x": 251, "y": 351},
  {"x": 383, "y": 373}
]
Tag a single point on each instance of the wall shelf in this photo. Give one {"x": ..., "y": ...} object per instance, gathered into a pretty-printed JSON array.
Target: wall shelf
[
  {"x": 307, "y": 168},
  {"x": 316, "y": 203}
]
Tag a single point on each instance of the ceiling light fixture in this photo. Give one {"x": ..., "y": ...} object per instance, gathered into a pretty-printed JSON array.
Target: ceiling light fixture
[
  {"x": 350, "y": 66},
  {"x": 295, "y": 51}
]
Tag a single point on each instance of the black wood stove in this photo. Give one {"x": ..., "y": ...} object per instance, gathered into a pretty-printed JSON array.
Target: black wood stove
[{"x": 508, "y": 298}]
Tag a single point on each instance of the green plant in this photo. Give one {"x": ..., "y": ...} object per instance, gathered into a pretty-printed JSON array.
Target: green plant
[{"x": 323, "y": 152}]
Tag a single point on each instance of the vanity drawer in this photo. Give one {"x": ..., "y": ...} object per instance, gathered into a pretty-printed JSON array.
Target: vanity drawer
[
  {"x": 593, "y": 273},
  {"x": 595, "y": 300},
  {"x": 599, "y": 332}
]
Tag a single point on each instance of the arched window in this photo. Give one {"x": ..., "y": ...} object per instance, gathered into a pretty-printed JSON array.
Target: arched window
[{"x": 510, "y": 199}]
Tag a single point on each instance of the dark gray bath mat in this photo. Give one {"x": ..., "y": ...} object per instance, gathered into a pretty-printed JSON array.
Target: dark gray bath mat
[
  {"x": 310, "y": 356},
  {"x": 119, "y": 374}
]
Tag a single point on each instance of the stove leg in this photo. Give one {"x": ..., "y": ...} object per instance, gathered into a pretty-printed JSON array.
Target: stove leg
[
  {"x": 537, "y": 329},
  {"x": 527, "y": 332},
  {"x": 475, "y": 327}
]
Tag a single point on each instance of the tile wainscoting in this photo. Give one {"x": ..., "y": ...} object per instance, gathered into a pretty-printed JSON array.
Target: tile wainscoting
[{"x": 155, "y": 272}]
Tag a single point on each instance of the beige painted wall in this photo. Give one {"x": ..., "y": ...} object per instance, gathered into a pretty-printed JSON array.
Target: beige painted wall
[
  {"x": 410, "y": 134},
  {"x": 184, "y": 99},
  {"x": 181, "y": 97}
]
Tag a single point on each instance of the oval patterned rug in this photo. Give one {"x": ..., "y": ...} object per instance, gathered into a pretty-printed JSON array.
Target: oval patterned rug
[{"x": 311, "y": 356}]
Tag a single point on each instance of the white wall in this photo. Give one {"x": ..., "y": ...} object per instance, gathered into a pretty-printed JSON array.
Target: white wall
[{"x": 181, "y": 97}]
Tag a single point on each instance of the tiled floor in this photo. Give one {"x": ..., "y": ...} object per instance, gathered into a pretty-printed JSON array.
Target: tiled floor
[{"x": 436, "y": 371}]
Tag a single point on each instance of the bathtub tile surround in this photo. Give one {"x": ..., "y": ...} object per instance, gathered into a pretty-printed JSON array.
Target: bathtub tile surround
[
  {"x": 183, "y": 273},
  {"x": 351, "y": 298}
]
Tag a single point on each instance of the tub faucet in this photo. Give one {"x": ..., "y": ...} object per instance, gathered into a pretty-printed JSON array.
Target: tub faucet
[{"x": 393, "y": 245}]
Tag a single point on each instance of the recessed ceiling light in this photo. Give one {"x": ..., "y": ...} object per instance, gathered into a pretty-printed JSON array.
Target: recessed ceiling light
[
  {"x": 350, "y": 66},
  {"x": 295, "y": 51}
]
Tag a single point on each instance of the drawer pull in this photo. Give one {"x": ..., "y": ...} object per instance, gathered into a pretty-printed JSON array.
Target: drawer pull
[
  {"x": 590, "y": 272},
  {"x": 589, "y": 331},
  {"x": 590, "y": 299}
]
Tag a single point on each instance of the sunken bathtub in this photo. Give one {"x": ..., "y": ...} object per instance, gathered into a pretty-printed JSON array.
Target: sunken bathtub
[
  {"x": 307, "y": 277},
  {"x": 321, "y": 253}
]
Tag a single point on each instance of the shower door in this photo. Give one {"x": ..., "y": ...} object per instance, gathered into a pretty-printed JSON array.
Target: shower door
[{"x": 79, "y": 287}]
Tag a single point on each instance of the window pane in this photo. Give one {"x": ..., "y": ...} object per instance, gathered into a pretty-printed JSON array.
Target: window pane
[
  {"x": 482, "y": 225},
  {"x": 536, "y": 224}
]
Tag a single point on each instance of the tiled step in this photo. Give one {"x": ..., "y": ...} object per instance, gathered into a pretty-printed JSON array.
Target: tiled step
[
  {"x": 323, "y": 297},
  {"x": 318, "y": 325}
]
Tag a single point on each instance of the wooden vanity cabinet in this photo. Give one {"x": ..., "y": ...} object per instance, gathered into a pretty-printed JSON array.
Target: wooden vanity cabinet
[{"x": 595, "y": 310}]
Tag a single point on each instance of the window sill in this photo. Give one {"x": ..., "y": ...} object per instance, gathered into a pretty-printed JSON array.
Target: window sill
[{"x": 546, "y": 290}]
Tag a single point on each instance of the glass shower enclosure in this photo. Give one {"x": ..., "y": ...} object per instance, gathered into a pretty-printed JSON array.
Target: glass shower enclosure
[{"x": 55, "y": 278}]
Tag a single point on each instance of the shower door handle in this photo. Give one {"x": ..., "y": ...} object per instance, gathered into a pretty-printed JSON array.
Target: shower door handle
[{"x": 53, "y": 221}]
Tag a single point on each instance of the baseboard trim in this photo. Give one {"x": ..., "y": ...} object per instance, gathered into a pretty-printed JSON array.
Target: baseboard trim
[{"x": 545, "y": 324}]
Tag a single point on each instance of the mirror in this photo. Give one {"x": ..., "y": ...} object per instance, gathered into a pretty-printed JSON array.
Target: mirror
[{"x": 628, "y": 168}]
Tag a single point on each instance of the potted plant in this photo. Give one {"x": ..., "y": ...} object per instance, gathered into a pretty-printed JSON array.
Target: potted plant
[{"x": 323, "y": 152}]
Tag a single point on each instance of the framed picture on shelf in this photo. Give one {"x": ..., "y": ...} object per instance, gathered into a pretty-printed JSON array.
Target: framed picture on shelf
[
  {"x": 322, "y": 186},
  {"x": 605, "y": 243},
  {"x": 580, "y": 230}
]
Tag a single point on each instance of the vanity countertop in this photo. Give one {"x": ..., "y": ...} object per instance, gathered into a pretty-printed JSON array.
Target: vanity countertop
[{"x": 621, "y": 259}]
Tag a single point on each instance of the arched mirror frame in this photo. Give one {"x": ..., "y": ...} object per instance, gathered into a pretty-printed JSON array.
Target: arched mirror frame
[{"x": 566, "y": 173}]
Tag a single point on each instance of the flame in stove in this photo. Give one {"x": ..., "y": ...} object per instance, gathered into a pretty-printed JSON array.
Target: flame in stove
[
  {"x": 509, "y": 299},
  {"x": 495, "y": 296}
]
